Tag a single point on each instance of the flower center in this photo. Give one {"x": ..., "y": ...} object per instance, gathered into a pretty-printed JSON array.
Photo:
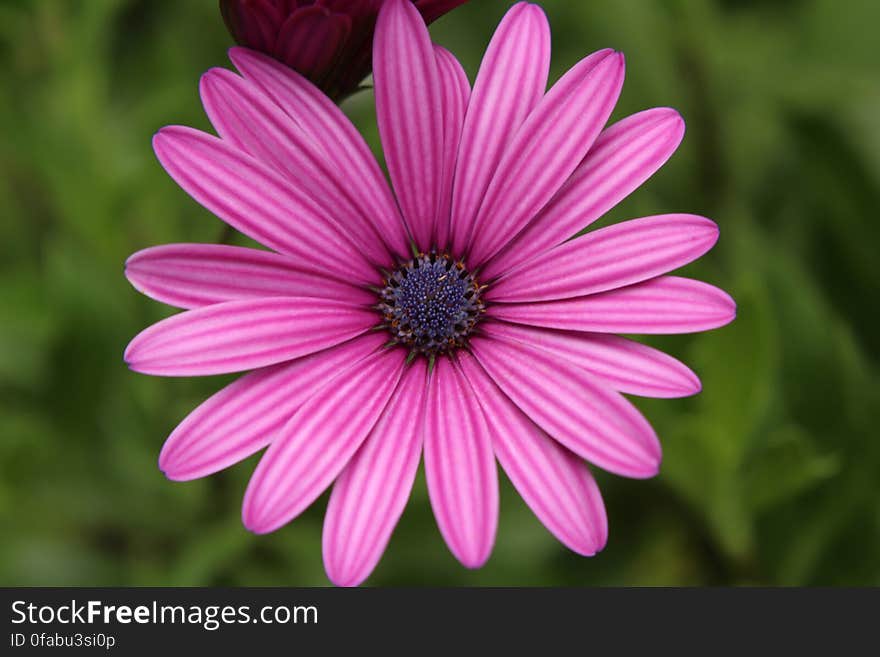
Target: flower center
[{"x": 431, "y": 304}]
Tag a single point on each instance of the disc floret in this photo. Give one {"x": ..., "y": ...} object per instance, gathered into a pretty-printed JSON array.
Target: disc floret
[{"x": 431, "y": 304}]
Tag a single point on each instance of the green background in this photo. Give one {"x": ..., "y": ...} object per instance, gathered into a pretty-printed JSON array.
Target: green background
[{"x": 770, "y": 476}]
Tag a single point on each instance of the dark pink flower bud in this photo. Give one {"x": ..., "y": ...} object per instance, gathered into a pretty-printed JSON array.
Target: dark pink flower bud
[{"x": 328, "y": 41}]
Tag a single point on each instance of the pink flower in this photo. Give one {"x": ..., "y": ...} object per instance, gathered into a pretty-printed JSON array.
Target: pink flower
[
  {"x": 495, "y": 341},
  {"x": 328, "y": 41}
]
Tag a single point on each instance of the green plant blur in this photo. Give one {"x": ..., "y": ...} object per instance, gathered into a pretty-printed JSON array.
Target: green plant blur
[{"x": 770, "y": 476}]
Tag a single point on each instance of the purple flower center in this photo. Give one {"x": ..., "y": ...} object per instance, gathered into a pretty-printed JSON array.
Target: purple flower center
[{"x": 431, "y": 304}]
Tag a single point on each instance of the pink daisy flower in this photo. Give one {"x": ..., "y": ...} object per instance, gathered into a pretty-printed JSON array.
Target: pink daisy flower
[
  {"x": 454, "y": 317},
  {"x": 328, "y": 41}
]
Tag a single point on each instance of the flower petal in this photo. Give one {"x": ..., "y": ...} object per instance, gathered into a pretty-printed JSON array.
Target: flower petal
[
  {"x": 455, "y": 92},
  {"x": 249, "y": 120},
  {"x": 372, "y": 491},
  {"x": 248, "y": 414},
  {"x": 594, "y": 422},
  {"x": 310, "y": 39},
  {"x": 459, "y": 466},
  {"x": 606, "y": 259},
  {"x": 319, "y": 440},
  {"x": 243, "y": 335},
  {"x": 331, "y": 130},
  {"x": 194, "y": 275},
  {"x": 546, "y": 149},
  {"x": 409, "y": 114},
  {"x": 511, "y": 81},
  {"x": 251, "y": 22},
  {"x": 555, "y": 483},
  {"x": 622, "y": 158},
  {"x": 258, "y": 201},
  {"x": 666, "y": 304},
  {"x": 625, "y": 365}
]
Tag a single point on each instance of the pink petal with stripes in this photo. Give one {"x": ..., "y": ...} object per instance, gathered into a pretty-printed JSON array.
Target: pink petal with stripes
[
  {"x": 455, "y": 92},
  {"x": 243, "y": 335},
  {"x": 556, "y": 484},
  {"x": 310, "y": 39},
  {"x": 319, "y": 440},
  {"x": 342, "y": 145},
  {"x": 371, "y": 493},
  {"x": 624, "y": 365},
  {"x": 620, "y": 255},
  {"x": 249, "y": 120},
  {"x": 511, "y": 81},
  {"x": 248, "y": 414},
  {"x": 409, "y": 114},
  {"x": 667, "y": 304},
  {"x": 594, "y": 422},
  {"x": 546, "y": 150},
  {"x": 258, "y": 201},
  {"x": 194, "y": 275},
  {"x": 460, "y": 466},
  {"x": 623, "y": 157}
]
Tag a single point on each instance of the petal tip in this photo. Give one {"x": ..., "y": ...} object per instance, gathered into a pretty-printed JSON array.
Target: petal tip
[
  {"x": 251, "y": 517},
  {"x": 237, "y": 51},
  {"x": 213, "y": 73},
  {"x": 343, "y": 578},
  {"x": 678, "y": 122},
  {"x": 691, "y": 384},
  {"x": 256, "y": 524},
  {"x": 133, "y": 354},
  {"x": 585, "y": 550},
  {"x": 474, "y": 561},
  {"x": 176, "y": 477},
  {"x": 672, "y": 115},
  {"x": 672, "y": 123},
  {"x": 683, "y": 381},
  {"x": 257, "y": 516},
  {"x": 208, "y": 84},
  {"x": 582, "y": 540},
  {"x": 703, "y": 224},
  {"x": 157, "y": 140},
  {"x": 167, "y": 466},
  {"x": 238, "y": 54},
  {"x": 705, "y": 233},
  {"x": 647, "y": 465},
  {"x": 729, "y": 307},
  {"x": 390, "y": 6},
  {"x": 713, "y": 231},
  {"x": 176, "y": 465},
  {"x": 128, "y": 356},
  {"x": 127, "y": 267},
  {"x": 163, "y": 137},
  {"x": 532, "y": 8},
  {"x": 473, "y": 554},
  {"x": 133, "y": 269},
  {"x": 648, "y": 470},
  {"x": 163, "y": 459}
]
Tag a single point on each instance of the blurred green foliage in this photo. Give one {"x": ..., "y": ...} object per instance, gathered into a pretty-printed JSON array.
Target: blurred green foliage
[{"x": 771, "y": 475}]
